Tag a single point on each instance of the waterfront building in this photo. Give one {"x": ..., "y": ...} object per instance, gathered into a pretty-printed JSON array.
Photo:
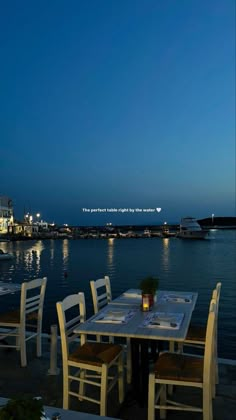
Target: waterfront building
[{"x": 6, "y": 214}]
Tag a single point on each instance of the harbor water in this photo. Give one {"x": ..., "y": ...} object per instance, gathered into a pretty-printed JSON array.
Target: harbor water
[{"x": 188, "y": 265}]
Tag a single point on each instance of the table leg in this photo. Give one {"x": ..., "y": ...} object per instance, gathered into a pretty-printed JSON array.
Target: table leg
[
  {"x": 144, "y": 362},
  {"x": 135, "y": 382},
  {"x": 140, "y": 369}
]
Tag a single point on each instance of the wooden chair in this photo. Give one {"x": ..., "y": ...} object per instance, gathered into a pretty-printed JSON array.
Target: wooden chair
[
  {"x": 102, "y": 295},
  {"x": 29, "y": 315},
  {"x": 91, "y": 356},
  {"x": 196, "y": 335},
  {"x": 184, "y": 370}
]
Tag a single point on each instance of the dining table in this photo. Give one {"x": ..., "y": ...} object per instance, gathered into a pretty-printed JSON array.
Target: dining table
[
  {"x": 168, "y": 321},
  {"x": 6, "y": 288}
]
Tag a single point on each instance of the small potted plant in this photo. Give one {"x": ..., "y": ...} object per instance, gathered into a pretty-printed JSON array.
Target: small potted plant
[
  {"x": 22, "y": 409},
  {"x": 148, "y": 286}
]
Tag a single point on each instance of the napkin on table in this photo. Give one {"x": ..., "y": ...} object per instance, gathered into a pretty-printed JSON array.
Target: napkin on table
[
  {"x": 133, "y": 293},
  {"x": 4, "y": 289},
  {"x": 164, "y": 320},
  {"x": 117, "y": 317},
  {"x": 178, "y": 298}
]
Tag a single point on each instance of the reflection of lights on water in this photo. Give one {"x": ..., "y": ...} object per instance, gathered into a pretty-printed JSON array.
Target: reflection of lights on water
[
  {"x": 166, "y": 242},
  {"x": 165, "y": 254},
  {"x": 32, "y": 256},
  {"x": 65, "y": 250},
  {"x": 65, "y": 255},
  {"x": 110, "y": 252},
  {"x": 52, "y": 252}
]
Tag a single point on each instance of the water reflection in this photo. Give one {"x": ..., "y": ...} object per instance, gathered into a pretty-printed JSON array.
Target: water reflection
[
  {"x": 110, "y": 254},
  {"x": 32, "y": 257},
  {"x": 65, "y": 259},
  {"x": 52, "y": 252},
  {"x": 165, "y": 254},
  {"x": 65, "y": 252}
]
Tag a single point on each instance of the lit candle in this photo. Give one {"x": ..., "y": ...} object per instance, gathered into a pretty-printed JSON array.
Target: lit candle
[{"x": 145, "y": 303}]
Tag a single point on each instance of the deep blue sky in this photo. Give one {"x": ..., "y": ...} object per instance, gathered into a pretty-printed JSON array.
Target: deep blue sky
[{"x": 118, "y": 103}]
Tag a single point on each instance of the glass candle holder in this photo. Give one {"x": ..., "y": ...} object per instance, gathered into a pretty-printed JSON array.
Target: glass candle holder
[{"x": 145, "y": 302}]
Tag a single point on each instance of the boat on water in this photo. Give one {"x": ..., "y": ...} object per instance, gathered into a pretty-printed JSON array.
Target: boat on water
[
  {"x": 5, "y": 255},
  {"x": 190, "y": 229},
  {"x": 147, "y": 233},
  {"x": 166, "y": 233}
]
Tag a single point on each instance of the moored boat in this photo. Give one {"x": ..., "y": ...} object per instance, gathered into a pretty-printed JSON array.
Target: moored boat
[
  {"x": 166, "y": 233},
  {"x": 190, "y": 229}
]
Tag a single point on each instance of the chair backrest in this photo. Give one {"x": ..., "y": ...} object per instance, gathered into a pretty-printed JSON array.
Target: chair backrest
[
  {"x": 32, "y": 299},
  {"x": 71, "y": 311},
  {"x": 210, "y": 344},
  {"x": 216, "y": 295},
  {"x": 101, "y": 293}
]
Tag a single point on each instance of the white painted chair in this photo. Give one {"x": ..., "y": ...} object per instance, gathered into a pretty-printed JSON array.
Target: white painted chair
[
  {"x": 29, "y": 315},
  {"x": 82, "y": 359},
  {"x": 102, "y": 295},
  {"x": 196, "y": 335},
  {"x": 186, "y": 371}
]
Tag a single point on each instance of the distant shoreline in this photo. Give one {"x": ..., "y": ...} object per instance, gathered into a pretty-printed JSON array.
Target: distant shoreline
[
  {"x": 124, "y": 231},
  {"x": 121, "y": 231}
]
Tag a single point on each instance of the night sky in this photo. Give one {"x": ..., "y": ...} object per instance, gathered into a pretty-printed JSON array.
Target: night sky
[{"x": 118, "y": 104}]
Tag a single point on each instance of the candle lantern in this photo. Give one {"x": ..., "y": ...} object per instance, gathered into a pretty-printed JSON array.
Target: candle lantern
[
  {"x": 146, "y": 302},
  {"x": 148, "y": 286}
]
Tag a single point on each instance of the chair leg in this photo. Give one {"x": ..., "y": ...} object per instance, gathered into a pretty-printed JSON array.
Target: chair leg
[
  {"x": 22, "y": 344},
  {"x": 151, "y": 397},
  {"x": 121, "y": 379},
  {"x": 39, "y": 344},
  {"x": 103, "y": 397},
  {"x": 65, "y": 388},
  {"x": 82, "y": 385},
  {"x": 172, "y": 350},
  {"x": 163, "y": 401},
  {"x": 18, "y": 342},
  {"x": 128, "y": 361},
  {"x": 180, "y": 347},
  {"x": 207, "y": 403}
]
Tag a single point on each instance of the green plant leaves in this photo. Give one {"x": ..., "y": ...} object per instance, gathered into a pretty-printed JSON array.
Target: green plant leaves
[{"x": 22, "y": 409}]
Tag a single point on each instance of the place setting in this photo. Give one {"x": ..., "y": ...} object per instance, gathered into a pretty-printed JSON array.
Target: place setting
[
  {"x": 132, "y": 293},
  {"x": 166, "y": 320},
  {"x": 5, "y": 288},
  {"x": 177, "y": 298},
  {"x": 114, "y": 316}
]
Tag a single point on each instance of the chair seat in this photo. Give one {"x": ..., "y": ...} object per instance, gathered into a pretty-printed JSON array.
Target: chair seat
[
  {"x": 173, "y": 366},
  {"x": 95, "y": 354},
  {"x": 196, "y": 333},
  {"x": 13, "y": 317}
]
